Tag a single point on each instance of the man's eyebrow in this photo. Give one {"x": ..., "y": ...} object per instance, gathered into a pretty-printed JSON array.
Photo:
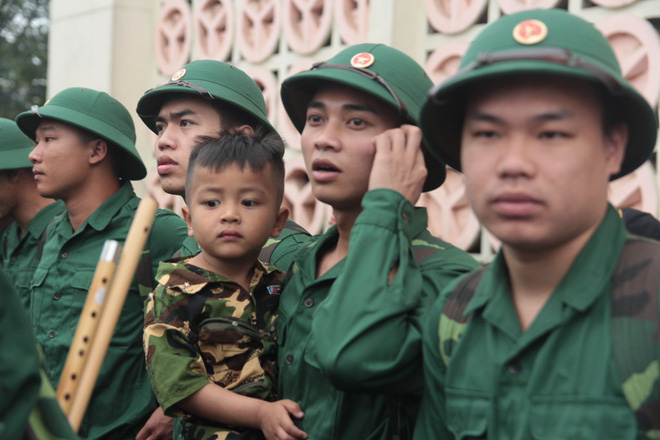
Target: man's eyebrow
[
  {"x": 348, "y": 106},
  {"x": 547, "y": 116},
  {"x": 178, "y": 114},
  {"x": 557, "y": 115},
  {"x": 316, "y": 104},
  {"x": 46, "y": 128}
]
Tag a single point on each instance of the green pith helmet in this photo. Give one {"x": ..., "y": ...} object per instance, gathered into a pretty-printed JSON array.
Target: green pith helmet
[
  {"x": 213, "y": 80},
  {"x": 378, "y": 70},
  {"x": 96, "y": 112},
  {"x": 15, "y": 147},
  {"x": 541, "y": 42}
]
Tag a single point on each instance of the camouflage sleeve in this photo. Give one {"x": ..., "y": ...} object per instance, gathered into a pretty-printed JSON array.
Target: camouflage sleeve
[
  {"x": 175, "y": 367},
  {"x": 368, "y": 332},
  {"x": 431, "y": 419}
]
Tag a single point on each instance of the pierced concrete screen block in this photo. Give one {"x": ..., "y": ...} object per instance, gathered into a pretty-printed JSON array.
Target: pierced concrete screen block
[
  {"x": 450, "y": 216},
  {"x": 214, "y": 29},
  {"x": 512, "y": 6},
  {"x": 306, "y": 24},
  {"x": 257, "y": 28},
  {"x": 637, "y": 47},
  {"x": 304, "y": 208},
  {"x": 172, "y": 39},
  {"x": 444, "y": 61},
  {"x": 352, "y": 20},
  {"x": 454, "y": 16},
  {"x": 285, "y": 126},
  {"x": 265, "y": 79}
]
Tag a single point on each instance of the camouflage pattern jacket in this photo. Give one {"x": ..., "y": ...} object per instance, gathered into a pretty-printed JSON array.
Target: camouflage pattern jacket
[
  {"x": 202, "y": 328},
  {"x": 485, "y": 378}
]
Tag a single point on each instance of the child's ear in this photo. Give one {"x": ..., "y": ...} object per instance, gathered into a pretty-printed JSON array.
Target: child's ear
[
  {"x": 186, "y": 216},
  {"x": 281, "y": 219}
]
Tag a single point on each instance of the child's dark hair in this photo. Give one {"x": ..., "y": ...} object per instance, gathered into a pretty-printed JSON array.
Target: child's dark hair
[{"x": 254, "y": 150}]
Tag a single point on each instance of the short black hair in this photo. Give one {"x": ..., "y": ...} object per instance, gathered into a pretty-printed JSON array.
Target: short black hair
[
  {"x": 256, "y": 151},
  {"x": 233, "y": 117}
]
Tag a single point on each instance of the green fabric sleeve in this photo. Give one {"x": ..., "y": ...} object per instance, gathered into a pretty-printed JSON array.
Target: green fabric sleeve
[
  {"x": 20, "y": 379},
  {"x": 368, "y": 331}
]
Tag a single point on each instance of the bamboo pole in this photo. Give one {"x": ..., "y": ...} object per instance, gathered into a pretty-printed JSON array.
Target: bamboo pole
[
  {"x": 87, "y": 325},
  {"x": 137, "y": 237}
]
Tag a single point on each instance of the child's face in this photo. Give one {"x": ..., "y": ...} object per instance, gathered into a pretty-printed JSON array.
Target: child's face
[{"x": 233, "y": 212}]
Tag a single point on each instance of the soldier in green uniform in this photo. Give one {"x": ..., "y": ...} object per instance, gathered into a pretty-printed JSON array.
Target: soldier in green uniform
[
  {"x": 209, "y": 332},
  {"x": 208, "y": 98},
  {"x": 350, "y": 315},
  {"x": 85, "y": 156},
  {"x": 558, "y": 336},
  {"x": 21, "y": 242}
]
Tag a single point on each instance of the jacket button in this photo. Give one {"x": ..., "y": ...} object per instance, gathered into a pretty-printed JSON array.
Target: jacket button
[
  {"x": 65, "y": 255},
  {"x": 57, "y": 296},
  {"x": 289, "y": 359},
  {"x": 309, "y": 302},
  {"x": 51, "y": 334}
]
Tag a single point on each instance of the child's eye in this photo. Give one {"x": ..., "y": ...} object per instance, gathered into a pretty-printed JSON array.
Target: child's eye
[
  {"x": 185, "y": 123},
  {"x": 160, "y": 128},
  {"x": 249, "y": 203},
  {"x": 211, "y": 203}
]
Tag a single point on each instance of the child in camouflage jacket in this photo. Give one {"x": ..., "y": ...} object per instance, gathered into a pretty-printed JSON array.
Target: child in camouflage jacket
[{"x": 209, "y": 334}]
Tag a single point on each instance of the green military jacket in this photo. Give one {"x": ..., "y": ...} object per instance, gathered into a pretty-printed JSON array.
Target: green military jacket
[
  {"x": 19, "y": 364},
  {"x": 556, "y": 380},
  {"x": 122, "y": 399},
  {"x": 278, "y": 251},
  {"x": 19, "y": 254},
  {"x": 202, "y": 328},
  {"x": 350, "y": 341}
]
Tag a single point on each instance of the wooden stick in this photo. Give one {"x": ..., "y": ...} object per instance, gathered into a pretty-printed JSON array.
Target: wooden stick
[
  {"x": 87, "y": 325},
  {"x": 137, "y": 237}
]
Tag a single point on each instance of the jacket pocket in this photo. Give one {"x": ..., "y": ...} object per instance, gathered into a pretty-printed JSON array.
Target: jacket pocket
[
  {"x": 467, "y": 413},
  {"x": 232, "y": 335},
  {"x": 575, "y": 418}
]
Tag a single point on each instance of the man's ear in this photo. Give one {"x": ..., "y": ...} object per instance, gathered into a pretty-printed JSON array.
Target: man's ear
[
  {"x": 245, "y": 129},
  {"x": 280, "y": 220},
  {"x": 185, "y": 211},
  {"x": 99, "y": 150},
  {"x": 615, "y": 147}
]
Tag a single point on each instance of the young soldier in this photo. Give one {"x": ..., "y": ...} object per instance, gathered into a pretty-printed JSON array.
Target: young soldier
[
  {"x": 350, "y": 346},
  {"x": 85, "y": 156},
  {"x": 558, "y": 336},
  {"x": 209, "y": 326},
  {"x": 23, "y": 240},
  {"x": 207, "y": 98}
]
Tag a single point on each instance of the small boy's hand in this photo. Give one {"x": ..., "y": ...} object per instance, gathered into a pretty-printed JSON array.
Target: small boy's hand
[{"x": 276, "y": 423}]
